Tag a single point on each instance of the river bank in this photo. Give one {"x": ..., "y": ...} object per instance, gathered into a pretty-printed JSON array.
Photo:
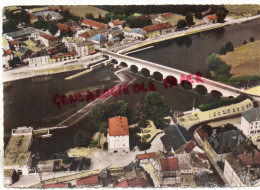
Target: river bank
[{"x": 188, "y": 32}]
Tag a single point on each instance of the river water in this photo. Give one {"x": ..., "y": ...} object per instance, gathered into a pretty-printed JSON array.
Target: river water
[
  {"x": 190, "y": 53},
  {"x": 31, "y": 104}
]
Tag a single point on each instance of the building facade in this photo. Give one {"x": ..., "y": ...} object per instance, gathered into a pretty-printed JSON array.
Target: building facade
[
  {"x": 250, "y": 122},
  {"x": 118, "y": 135}
]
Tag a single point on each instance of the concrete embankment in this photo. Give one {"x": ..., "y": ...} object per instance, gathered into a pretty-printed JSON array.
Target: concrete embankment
[{"x": 195, "y": 30}]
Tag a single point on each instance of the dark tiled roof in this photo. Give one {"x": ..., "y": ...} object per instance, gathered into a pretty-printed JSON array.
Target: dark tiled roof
[
  {"x": 175, "y": 136},
  {"x": 189, "y": 147},
  {"x": 145, "y": 156},
  {"x": 138, "y": 182},
  {"x": 252, "y": 115},
  {"x": 20, "y": 33},
  {"x": 122, "y": 184},
  {"x": 94, "y": 23},
  {"x": 40, "y": 53},
  {"x": 56, "y": 185},
  {"x": 250, "y": 159},
  {"x": 92, "y": 180},
  {"x": 202, "y": 134},
  {"x": 157, "y": 27},
  {"x": 227, "y": 141}
]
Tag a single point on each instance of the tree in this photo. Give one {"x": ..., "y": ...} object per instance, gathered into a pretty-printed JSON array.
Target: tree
[
  {"x": 189, "y": 19},
  {"x": 99, "y": 17},
  {"x": 181, "y": 24},
  {"x": 224, "y": 69},
  {"x": 142, "y": 123},
  {"x": 229, "y": 46},
  {"x": 64, "y": 33},
  {"x": 103, "y": 127},
  {"x": 52, "y": 27},
  {"x": 244, "y": 42},
  {"x": 221, "y": 16},
  {"x": 252, "y": 39},
  {"x": 65, "y": 158},
  {"x": 98, "y": 113},
  {"x": 9, "y": 15},
  {"x": 208, "y": 129},
  {"x": 143, "y": 145},
  {"x": 23, "y": 17},
  {"x": 110, "y": 16},
  {"x": 10, "y": 26},
  {"x": 89, "y": 16},
  {"x": 85, "y": 164},
  {"x": 138, "y": 22},
  {"x": 40, "y": 24},
  {"x": 213, "y": 62},
  {"x": 222, "y": 51},
  {"x": 14, "y": 62},
  {"x": 81, "y": 139},
  {"x": 198, "y": 15}
]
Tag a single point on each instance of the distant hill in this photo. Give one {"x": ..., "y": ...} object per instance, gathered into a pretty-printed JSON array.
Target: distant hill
[{"x": 81, "y": 10}]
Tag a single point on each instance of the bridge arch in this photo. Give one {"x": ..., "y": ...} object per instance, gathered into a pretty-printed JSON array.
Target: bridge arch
[
  {"x": 186, "y": 85},
  {"x": 134, "y": 68},
  {"x": 114, "y": 61},
  {"x": 200, "y": 89},
  {"x": 145, "y": 72},
  {"x": 158, "y": 76},
  {"x": 171, "y": 81},
  {"x": 216, "y": 94},
  {"x": 123, "y": 64}
]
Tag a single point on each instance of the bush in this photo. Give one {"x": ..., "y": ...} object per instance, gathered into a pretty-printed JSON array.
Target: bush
[
  {"x": 208, "y": 129},
  {"x": 85, "y": 164},
  {"x": 93, "y": 143},
  {"x": 189, "y": 19},
  {"x": 181, "y": 24},
  {"x": 222, "y": 51},
  {"x": 143, "y": 145},
  {"x": 198, "y": 15},
  {"x": 65, "y": 158},
  {"x": 81, "y": 139},
  {"x": 244, "y": 42},
  {"x": 147, "y": 136},
  {"x": 142, "y": 123},
  {"x": 252, "y": 39},
  {"x": 229, "y": 46}
]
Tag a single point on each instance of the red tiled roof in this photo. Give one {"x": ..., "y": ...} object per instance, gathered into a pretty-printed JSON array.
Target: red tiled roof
[
  {"x": 122, "y": 184},
  {"x": 117, "y": 22},
  {"x": 138, "y": 182},
  {"x": 85, "y": 35},
  {"x": 13, "y": 42},
  {"x": 91, "y": 52},
  {"x": 8, "y": 52},
  {"x": 169, "y": 164},
  {"x": 56, "y": 185},
  {"x": 32, "y": 16},
  {"x": 118, "y": 126},
  {"x": 53, "y": 50},
  {"x": 212, "y": 17},
  {"x": 63, "y": 55},
  {"x": 189, "y": 147},
  {"x": 48, "y": 37},
  {"x": 65, "y": 27},
  {"x": 156, "y": 27},
  {"x": 166, "y": 14},
  {"x": 53, "y": 8},
  {"x": 145, "y": 156},
  {"x": 249, "y": 160},
  {"x": 202, "y": 134},
  {"x": 202, "y": 156},
  {"x": 94, "y": 23},
  {"x": 92, "y": 180}
]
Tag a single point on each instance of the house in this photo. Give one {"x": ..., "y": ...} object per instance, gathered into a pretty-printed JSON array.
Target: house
[
  {"x": 250, "y": 122},
  {"x": 48, "y": 40},
  {"x": 118, "y": 135},
  {"x": 234, "y": 171},
  {"x": 116, "y": 23},
  {"x": 175, "y": 136},
  {"x": 19, "y": 157},
  {"x": 57, "y": 185},
  {"x": 115, "y": 33},
  {"x": 8, "y": 55},
  {"x": 64, "y": 27},
  {"x": 54, "y": 8},
  {"x": 144, "y": 158},
  {"x": 136, "y": 33},
  {"x": 22, "y": 34},
  {"x": 211, "y": 19},
  {"x": 48, "y": 15},
  {"x": 9, "y": 176},
  {"x": 166, "y": 15},
  {"x": 39, "y": 58},
  {"x": 63, "y": 57},
  {"x": 90, "y": 181},
  {"x": 93, "y": 24},
  {"x": 169, "y": 174},
  {"x": 82, "y": 47},
  {"x": 200, "y": 135},
  {"x": 157, "y": 30},
  {"x": 224, "y": 143},
  {"x": 45, "y": 165},
  {"x": 99, "y": 39}
]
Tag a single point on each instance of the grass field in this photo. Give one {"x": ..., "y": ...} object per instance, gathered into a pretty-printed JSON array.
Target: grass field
[
  {"x": 240, "y": 11},
  {"x": 173, "y": 20},
  {"x": 245, "y": 60},
  {"x": 81, "y": 10}
]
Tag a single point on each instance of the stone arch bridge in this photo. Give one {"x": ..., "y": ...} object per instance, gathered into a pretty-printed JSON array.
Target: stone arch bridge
[{"x": 172, "y": 77}]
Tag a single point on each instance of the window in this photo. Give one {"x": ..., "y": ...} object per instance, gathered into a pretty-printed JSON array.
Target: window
[
  {"x": 237, "y": 109},
  {"x": 228, "y": 110},
  {"x": 234, "y": 110}
]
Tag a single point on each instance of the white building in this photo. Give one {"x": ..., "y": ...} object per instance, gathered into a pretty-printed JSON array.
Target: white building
[
  {"x": 116, "y": 23},
  {"x": 234, "y": 171},
  {"x": 118, "y": 135},
  {"x": 82, "y": 47},
  {"x": 40, "y": 58},
  {"x": 250, "y": 122}
]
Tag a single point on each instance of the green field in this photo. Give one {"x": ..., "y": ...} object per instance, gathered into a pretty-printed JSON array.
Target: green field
[{"x": 81, "y": 10}]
